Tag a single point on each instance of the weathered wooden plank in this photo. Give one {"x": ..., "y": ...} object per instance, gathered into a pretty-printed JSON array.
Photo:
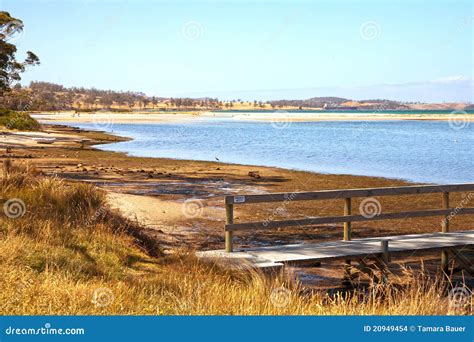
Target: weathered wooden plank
[
  {"x": 361, "y": 247},
  {"x": 353, "y": 193},
  {"x": 357, "y": 249},
  {"x": 349, "y": 218}
]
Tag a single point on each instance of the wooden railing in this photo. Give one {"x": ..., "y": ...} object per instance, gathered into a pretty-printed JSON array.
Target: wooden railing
[{"x": 348, "y": 217}]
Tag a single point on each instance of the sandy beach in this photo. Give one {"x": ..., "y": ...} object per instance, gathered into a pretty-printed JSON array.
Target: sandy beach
[{"x": 103, "y": 117}]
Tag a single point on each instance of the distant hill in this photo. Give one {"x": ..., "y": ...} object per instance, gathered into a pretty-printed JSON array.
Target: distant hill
[{"x": 341, "y": 103}]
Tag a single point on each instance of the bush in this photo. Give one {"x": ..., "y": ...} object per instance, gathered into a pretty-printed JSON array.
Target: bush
[{"x": 17, "y": 121}]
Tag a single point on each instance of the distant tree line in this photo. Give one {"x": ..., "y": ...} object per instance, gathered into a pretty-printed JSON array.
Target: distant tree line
[{"x": 46, "y": 96}]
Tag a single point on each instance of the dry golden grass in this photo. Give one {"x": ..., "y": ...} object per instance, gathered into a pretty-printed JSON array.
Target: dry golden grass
[{"x": 69, "y": 254}]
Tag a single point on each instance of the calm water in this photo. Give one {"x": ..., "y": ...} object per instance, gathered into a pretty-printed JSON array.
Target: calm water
[{"x": 420, "y": 151}]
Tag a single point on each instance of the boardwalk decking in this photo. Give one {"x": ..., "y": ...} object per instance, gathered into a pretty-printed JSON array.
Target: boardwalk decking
[
  {"x": 378, "y": 248},
  {"x": 341, "y": 250}
]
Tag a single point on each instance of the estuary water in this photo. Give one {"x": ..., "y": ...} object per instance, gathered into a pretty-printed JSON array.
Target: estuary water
[{"x": 419, "y": 151}]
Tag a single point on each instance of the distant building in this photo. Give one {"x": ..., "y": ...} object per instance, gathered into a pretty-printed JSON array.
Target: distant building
[{"x": 329, "y": 107}]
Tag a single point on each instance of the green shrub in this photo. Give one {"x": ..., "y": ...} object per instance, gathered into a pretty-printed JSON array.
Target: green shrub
[{"x": 17, "y": 121}]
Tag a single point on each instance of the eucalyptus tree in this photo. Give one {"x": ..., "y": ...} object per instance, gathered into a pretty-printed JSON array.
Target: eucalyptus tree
[{"x": 10, "y": 67}]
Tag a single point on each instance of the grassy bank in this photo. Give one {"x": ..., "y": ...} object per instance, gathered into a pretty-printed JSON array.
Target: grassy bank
[
  {"x": 63, "y": 251},
  {"x": 13, "y": 120}
]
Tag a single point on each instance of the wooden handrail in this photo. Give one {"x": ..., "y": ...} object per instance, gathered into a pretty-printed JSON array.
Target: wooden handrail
[
  {"x": 348, "y": 218},
  {"x": 348, "y": 193}
]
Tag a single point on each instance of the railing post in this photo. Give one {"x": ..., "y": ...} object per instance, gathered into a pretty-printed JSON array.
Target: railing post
[
  {"x": 445, "y": 229},
  {"x": 347, "y": 237},
  {"x": 347, "y": 225},
  {"x": 229, "y": 212},
  {"x": 386, "y": 260},
  {"x": 385, "y": 251}
]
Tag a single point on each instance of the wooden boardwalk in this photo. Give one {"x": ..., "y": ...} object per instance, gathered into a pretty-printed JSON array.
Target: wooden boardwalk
[
  {"x": 343, "y": 250},
  {"x": 349, "y": 249}
]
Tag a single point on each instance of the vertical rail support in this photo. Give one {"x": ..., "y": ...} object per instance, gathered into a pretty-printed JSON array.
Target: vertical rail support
[
  {"x": 347, "y": 225},
  {"x": 385, "y": 252},
  {"x": 229, "y": 212},
  {"x": 347, "y": 237},
  {"x": 445, "y": 229},
  {"x": 386, "y": 259}
]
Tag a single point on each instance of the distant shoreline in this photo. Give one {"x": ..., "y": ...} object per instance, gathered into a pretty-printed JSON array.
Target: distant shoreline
[{"x": 102, "y": 117}]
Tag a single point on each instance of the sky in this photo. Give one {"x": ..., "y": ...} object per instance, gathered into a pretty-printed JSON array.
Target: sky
[{"x": 254, "y": 50}]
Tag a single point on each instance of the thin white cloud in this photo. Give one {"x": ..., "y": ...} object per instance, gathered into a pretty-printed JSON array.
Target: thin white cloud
[{"x": 455, "y": 78}]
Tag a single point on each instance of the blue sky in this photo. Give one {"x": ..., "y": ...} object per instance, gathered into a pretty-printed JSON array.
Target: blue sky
[{"x": 404, "y": 50}]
